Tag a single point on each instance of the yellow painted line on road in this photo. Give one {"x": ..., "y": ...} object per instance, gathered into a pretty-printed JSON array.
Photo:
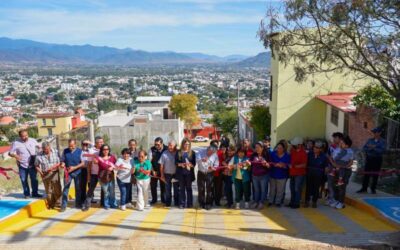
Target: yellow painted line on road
[
  {"x": 276, "y": 220},
  {"x": 153, "y": 221},
  {"x": 199, "y": 222},
  {"x": 64, "y": 226},
  {"x": 189, "y": 221},
  {"x": 234, "y": 222},
  {"x": 366, "y": 221},
  {"x": 107, "y": 226},
  {"x": 28, "y": 222},
  {"x": 322, "y": 222}
]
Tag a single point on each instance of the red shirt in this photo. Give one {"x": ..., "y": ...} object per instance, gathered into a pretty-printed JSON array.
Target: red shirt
[
  {"x": 296, "y": 158},
  {"x": 249, "y": 153},
  {"x": 221, "y": 158}
]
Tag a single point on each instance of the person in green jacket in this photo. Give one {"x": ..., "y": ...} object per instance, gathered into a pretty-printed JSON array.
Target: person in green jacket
[
  {"x": 241, "y": 177},
  {"x": 142, "y": 170}
]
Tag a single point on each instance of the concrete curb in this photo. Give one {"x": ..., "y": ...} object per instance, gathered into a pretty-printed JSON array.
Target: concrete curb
[
  {"x": 370, "y": 210},
  {"x": 29, "y": 211}
]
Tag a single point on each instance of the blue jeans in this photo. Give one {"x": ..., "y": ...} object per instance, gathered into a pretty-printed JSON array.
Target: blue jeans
[
  {"x": 228, "y": 189},
  {"x": 123, "y": 188},
  {"x": 296, "y": 186},
  {"x": 23, "y": 175},
  {"x": 77, "y": 180},
  {"x": 109, "y": 194},
  {"x": 260, "y": 184},
  {"x": 168, "y": 190}
]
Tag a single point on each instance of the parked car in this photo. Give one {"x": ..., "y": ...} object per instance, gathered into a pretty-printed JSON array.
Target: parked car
[{"x": 200, "y": 138}]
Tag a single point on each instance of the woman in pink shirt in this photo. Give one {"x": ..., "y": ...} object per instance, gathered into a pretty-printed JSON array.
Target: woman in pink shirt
[{"x": 106, "y": 162}]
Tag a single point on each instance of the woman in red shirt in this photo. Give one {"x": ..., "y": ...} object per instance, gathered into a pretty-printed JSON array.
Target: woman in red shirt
[{"x": 297, "y": 171}]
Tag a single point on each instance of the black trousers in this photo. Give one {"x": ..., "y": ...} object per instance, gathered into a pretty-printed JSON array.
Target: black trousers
[
  {"x": 153, "y": 186},
  {"x": 218, "y": 188},
  {"x": 373, "y": 164},
  {"x": 205, "y": 185},
  {"x": 84, "y": 183},
  {"x": 313, "y": 183}
]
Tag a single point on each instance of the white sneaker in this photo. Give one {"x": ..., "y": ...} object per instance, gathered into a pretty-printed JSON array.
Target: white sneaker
[
  {"x": 147, "y": 206},
  {"x": 333, "y": 204},
  {"x": 123, "y": 207},
  {"x": 339, "y": 205},
  {"x": 173, "y": 180},
  {"x": 237, "y": 205},
  {"x": 246, "y": 205},
  {"x": 129, "y": 205}
]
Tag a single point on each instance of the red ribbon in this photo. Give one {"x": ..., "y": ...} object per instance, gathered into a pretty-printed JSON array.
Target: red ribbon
[{"x": 3, "y": 171}]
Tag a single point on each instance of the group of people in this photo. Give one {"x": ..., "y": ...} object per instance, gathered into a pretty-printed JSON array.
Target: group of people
[{"x": 248, "y": 177}]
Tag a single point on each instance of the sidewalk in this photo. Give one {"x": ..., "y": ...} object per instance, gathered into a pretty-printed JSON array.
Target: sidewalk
[{"x": 381, "y": 205}]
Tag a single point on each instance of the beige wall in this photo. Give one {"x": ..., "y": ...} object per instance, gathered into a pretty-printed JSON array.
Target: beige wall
[{"x": 330, "y": 127}]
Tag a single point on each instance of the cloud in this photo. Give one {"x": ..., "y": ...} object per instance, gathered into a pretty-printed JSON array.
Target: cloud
[{"x": 34, "y": 22}]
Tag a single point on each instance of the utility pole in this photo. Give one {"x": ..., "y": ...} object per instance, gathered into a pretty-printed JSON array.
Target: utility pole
[{"x": 238, "y": 112}]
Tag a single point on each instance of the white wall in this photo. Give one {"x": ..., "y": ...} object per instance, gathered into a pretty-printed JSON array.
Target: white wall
[{"x": 330, "y": 127}]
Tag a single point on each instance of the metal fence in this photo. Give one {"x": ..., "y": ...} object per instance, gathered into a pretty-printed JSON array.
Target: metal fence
[{"x": 392, "y": 133}]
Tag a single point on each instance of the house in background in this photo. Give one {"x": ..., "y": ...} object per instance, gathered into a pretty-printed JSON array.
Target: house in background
[
  {"x": 4, "y": 150},
  {"x": 56, "y": 123},
  {"x": 343, "y": 116},
  {"x": 148, "y": 118},
  {"x": 203, "y": 129},
  {"x": 7, "y": 120},
  {"x": 294, "y": 109},
  {"x": 246, "y": 131}
]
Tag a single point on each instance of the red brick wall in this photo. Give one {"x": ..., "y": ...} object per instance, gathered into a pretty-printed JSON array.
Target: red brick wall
[{"x": 360, "y": 123}]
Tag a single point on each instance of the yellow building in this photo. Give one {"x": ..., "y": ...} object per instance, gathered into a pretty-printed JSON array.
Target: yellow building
[
  {"x": 293, "y": 107},
  {"x": 54, "y": 123}
]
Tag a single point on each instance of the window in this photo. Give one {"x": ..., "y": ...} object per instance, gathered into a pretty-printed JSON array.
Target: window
[
  {"x": 50, "y": 131},
  {"x": 44, "y": 122},
  {"x": 334, "y": 116},
  {"x": 54, "y": 121}
]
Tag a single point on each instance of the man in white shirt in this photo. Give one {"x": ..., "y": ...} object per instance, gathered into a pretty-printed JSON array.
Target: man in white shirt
[
  {"x": 207, "y": 163},
  {"x": 94, "y": 172}
]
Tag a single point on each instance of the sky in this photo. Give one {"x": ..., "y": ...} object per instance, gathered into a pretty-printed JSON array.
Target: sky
[{"x": 218, "y": 27}]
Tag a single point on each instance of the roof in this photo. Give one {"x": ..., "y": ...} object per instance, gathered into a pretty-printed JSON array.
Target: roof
[
  {"x": 4, "y": 149},
  {"x": 153, "y": 99},
  {"x": 5, "y": 120},
  {"x": 54, "y": 115},
  {"x": 339, "y": 100},
  {"x": 81, "y": 124}
]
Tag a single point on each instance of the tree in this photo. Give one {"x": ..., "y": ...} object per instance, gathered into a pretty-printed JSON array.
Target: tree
[
  {"x": 27, "y": 98},
  {"x": 356, "y": 36},
  {"x": 184, "y": 106},
  {"x": 227, "y": 121},
  {"x": 377, "y": 97},
  {"x": 60, "y": 97},
  {"x": 260, "y": 120}
]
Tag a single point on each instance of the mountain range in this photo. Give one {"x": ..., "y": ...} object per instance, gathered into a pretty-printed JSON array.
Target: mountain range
[{"x": 28, "y": 51}]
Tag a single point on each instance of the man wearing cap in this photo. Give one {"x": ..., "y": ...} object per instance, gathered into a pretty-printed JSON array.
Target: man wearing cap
[
  {"x": 297, "y": 171},
  {"x": 207, "y": 164},
  {"x": 374, "y": 149}
]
